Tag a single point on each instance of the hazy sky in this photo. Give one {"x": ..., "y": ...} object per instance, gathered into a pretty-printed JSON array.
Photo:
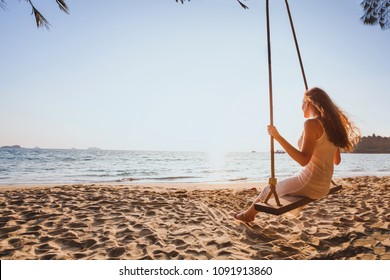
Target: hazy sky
[{"x": 157, "y": 75}]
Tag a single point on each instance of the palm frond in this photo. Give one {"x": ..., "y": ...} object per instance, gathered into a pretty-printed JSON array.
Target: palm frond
[
  {"x": 63, "y": 6},
  {"x": 376, "y": 12},
  {"x": 40, "y": 19},
  {"x": 239, "y": 1},
  {"x": 2, "y": 4},
  {"x": 242, "y": 4}
]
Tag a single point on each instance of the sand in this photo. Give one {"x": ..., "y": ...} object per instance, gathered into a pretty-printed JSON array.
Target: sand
[{"x": 191, "y": 222}]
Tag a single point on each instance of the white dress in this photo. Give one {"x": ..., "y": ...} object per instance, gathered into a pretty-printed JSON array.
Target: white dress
[{"x": 314, "y": 179}]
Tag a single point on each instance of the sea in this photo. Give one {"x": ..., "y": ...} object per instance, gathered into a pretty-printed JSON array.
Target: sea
[{"x": 60, "y": 166}]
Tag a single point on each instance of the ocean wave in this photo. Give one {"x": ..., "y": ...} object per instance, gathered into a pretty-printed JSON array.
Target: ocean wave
[
  {"x": 174, "y": 178},
  {"x": 238, "y": 179},
  {"x": 68, "y": 159},
  {"x": 49, "y": 169},
  {"x": 170, "y": 178},
  {"x": 124, "y": 166},
  {"x": 384, "y": 170},
  {"x": 128, "y": 179},
  {"x": 210, "y": 171},
  {"x": 88, "y": 175}
]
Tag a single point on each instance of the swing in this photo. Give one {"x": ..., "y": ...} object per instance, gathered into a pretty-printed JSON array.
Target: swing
[{"x": 281, "y": 205}]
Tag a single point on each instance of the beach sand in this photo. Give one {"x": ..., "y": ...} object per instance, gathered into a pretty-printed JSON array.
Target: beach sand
[{"x": 190, "y": 221}]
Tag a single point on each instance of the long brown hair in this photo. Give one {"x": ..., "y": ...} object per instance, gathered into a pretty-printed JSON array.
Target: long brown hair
[{"x": 339, "y": 129}]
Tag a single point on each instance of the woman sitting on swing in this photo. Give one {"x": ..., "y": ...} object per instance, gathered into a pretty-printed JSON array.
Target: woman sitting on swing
[{"x": 326, "y": 131}]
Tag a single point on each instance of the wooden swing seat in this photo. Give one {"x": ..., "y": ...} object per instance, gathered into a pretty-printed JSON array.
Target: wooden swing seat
[{"x": 289, "y": 203}]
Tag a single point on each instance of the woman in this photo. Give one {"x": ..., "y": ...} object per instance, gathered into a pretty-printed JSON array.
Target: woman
[{"x": 326, "y": 131}]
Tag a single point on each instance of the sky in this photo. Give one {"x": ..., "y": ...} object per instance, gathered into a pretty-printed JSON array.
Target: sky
[{"x": 158, "y": 75}]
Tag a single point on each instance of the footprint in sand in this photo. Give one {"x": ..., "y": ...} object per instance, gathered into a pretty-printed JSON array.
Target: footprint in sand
[
  {"x": 150, "y": 213},
  {"x": 52, "y": 256},
  {"x": 6, "y": 230},
  {"x": 199, "y": 255},
  {"x": 45, "y": 246},
  {"x": 94, "y": 208},
  {"x": 348, "y": 220},
  {"x": 364, "y": 217},
  {"x": 4, "y": 220},
  {"x": 69, "y": 235},
  {"x": 49, "y": 224},
  {"x": 77, "y": 225},
  {"x": 178, "y": 242},
  {"x": 145, "y": 232},
  {"x": 15, "y": 242},
  {"x": 69, "y": 244},
  {"x": 31, "y": 233},
  {"x": 311, "y": 230},
  {"x": 34, "y": 228},
  {"x": 45, "y": 238},
  {"x": 124, "y": 232},
  {"x": 89, "y": 243},
  {"x": 214, "y": 245},
  {"x": 41, "y": 251},
  {"x": 116, "y": 252},
  {"x": 151, "y": 239},
  {"x": 17, "y": 202},
  {"x": 165, "y": 255},
  {"x": 79, "y": 256},
  {"x": 127, "y": 238},
  {"x": 6, "y": 253},
  {"x": 123, "y": 226},
  {"x": 257, "y": 236},
  {"x": 289, "y": 250},
  {"x": 99, "y": 221}
]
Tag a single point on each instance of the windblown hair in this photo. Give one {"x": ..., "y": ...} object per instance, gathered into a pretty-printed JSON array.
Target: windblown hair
[{"x": 339, "y": 129}]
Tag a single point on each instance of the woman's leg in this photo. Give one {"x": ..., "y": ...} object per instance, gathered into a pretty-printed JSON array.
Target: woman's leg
[
  {"x": 282, "y": 188},
  {"x": 249, "y": 214}
]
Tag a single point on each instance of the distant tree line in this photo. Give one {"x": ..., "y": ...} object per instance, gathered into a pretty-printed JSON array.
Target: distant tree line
[{"x": 373, "y": 144}]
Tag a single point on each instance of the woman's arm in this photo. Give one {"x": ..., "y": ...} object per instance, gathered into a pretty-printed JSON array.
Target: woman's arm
[
  {"x": 337, "y": 157},
  {"x": 303, "y": 157}
]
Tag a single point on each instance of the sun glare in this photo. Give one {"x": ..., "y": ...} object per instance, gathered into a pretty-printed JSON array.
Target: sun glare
[{"x": 216, "y": 158}]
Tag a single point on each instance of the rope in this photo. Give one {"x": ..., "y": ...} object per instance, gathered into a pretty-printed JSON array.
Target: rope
[
  {"x": 271, "y": 109},
  {"x": 296, "y": 44},
  {"x": 272, "y": 180},
  {"x": 298, "y": 52}
]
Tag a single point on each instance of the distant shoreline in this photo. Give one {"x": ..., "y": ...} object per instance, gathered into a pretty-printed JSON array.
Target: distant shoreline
[
  {"x": 374, "y": 144},
  {"x": 17, "y": 147},
  {"x": 11, "y": 147}
]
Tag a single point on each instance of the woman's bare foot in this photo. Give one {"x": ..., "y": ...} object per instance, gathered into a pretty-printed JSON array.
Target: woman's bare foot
[{"x": 242, "y": 216}]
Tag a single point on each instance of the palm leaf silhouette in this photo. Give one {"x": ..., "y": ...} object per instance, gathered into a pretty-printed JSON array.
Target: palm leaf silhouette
[
  {"x": 239, "y": 1},
  {"x": 40, "y": 20},
  {"x": 63, "y": 6},
  {"x": 375, "y": 11}
]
